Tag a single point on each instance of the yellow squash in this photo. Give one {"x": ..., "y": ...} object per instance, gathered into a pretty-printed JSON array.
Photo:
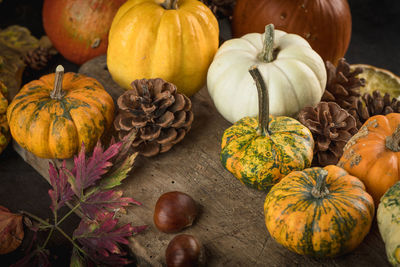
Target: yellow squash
[
  {"x": 175, "y": 41},
  {"x": 320, "y": 212},
  {"x": 53, "y": 122}
]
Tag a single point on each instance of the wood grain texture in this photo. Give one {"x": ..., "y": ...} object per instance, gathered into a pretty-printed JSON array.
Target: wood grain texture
[{"x": 231, "y": 222}]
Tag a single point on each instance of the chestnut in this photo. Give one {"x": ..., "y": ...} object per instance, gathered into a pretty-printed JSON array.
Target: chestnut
[
  {"x": 184, "y": 251},
  {"x": 174, "y": 211}
]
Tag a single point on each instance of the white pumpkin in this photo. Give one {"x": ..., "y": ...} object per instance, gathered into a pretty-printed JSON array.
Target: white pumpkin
[
  {"x": 388, "y": 216},
  {"x": 296, "y": 75}
]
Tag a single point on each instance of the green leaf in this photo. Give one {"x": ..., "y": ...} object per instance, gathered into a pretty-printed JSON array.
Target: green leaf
[{"x": 115, "y": 178}]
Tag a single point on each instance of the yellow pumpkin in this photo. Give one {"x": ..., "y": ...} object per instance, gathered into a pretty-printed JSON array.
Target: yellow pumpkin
[
  {"x": 320, "y": 212},
  {"x": 175, "y": 41},
  {"x": 53, "y": 122}
]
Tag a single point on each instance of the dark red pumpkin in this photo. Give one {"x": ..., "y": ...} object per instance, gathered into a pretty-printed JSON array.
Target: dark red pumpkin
[
  {"x": 79, "y": 29},
  {"x": 325, "y": 24}
]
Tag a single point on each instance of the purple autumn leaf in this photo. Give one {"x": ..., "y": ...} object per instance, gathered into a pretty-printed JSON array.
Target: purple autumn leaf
[
  {"x": 110, "y": 200},
  {"x": 61, "y": 191},
  {"x": 87, "y": 172},
  {"x": 102, "y": 235}
]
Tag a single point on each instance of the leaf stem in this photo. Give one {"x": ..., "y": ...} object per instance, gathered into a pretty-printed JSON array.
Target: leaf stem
[
  {"x": 72, "y": 241},
  {"x": 48, "y": 238},
  {"x": 37, "y": 218},
  {"x": 69, "y": 213}
]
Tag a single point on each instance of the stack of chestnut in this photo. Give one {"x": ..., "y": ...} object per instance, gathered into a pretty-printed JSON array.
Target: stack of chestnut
[{"x": 173, "y": 212}]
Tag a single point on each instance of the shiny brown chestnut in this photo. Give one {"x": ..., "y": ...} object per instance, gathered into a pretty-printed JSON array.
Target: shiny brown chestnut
[
  {"x": 184, "y": 251},
  {"x": 174, "y": 211}
]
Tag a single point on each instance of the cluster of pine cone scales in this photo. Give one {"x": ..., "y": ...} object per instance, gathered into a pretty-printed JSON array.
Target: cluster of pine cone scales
[
  {"x": 342, "y": 111},
  {"x": 158, "y": 115}
]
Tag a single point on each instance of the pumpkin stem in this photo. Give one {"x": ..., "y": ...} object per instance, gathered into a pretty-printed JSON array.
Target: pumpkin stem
[
  {"x": 320, "y": 190},
  {"x": 393, "y": 141},
  {"x": 170, "y": 4},
  {"x": 267, "y": 53},
  {"x": 263, "y": 101},
  {"x": 58, "y": 93}
]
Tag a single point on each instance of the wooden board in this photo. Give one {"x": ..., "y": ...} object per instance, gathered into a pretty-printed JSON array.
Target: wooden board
[{"x": 231, "y": 222}]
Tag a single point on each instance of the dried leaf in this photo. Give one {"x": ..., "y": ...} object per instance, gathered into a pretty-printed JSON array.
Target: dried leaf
[
  {"x": 61, "y": 192},
  {"x": 87, "y": 172},
  {"x": 115, "y": 177},
  {"x": 19, "y": 39},
  {"x": 106, "y": 201},
  {"x": 11, "y": 231},
  {"x": 15, "y": 42},
  {"x": 100, "y": 238}
]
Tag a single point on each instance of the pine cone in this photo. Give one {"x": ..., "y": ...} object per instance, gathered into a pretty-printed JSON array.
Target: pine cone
[
  {"x": 38, "y": 58},
  {"x": 331, "y": 127},
  {"x": 370, "y": 105},
  {"x": 156, "y": 112},
  {"x": 221, "y": 8},
  {"x": 343, "y": 87}
]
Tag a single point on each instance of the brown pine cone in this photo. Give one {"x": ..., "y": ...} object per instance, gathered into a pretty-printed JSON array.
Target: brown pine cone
[
  {"x": 342, "y": 87},
  {"x": 221, "y": 8},
  {"x": 331, "y": 127},
  {"x": 156, "y": 112},
  {"x": 38, "y": 58},
  {"x": 370, "y": 105}
]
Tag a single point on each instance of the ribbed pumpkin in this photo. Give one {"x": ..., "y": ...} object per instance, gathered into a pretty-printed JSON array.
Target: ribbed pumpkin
[
  {"x": 373, "y": 154},
  {"x": 175, "y": 41},
  {"x": 295, "y": 74},
  {"x": 325, "y": 24},
  {"x": 79, "y": 29},
  {"x": 4, "y": 129},
  {"x": 388, "y": 216},
  {"x": 320, "y": 212},
  {"x": 52, "y": 122},
  {"x": 259, "y": 152}
]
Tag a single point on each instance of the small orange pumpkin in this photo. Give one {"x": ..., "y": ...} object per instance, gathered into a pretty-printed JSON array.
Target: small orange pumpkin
[
  {"x": 373, "y": 154},
  {"x": 53, "y": 122}
]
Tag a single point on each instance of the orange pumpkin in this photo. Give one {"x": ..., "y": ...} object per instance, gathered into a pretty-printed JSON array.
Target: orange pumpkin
[
  {"x": 53, "y": 121},
  {"x": 319, "y": 212},
  {"x": 373, "y": 154},
  {"x": 79, "y": 29},
  {"x": 325, "y": 24}
]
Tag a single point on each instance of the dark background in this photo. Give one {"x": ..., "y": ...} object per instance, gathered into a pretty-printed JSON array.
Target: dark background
[{"x": 375, "y": 41}]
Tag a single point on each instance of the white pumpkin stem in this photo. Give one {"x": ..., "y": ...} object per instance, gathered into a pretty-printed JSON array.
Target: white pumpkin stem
[
  {"x": 267, "y": 53},
  {"x": 58, "y": 93},
  {"x": 393, "y": 141},
  {"x": 170, "y": 4},
  {"x": 320, "y": 190},
  {"x": 263, "y": 101}
]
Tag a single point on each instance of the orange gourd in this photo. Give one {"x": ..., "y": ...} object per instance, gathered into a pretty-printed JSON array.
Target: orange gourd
[
  {"x": 373, "y": 154},
  {"x": 51, "y": 117},
  {"x": 79, "y": 29},
  {"x": 326, "y": 25}
]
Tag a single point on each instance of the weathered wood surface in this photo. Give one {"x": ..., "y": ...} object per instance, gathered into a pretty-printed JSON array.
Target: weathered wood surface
[{"x": 231, "y": 222}]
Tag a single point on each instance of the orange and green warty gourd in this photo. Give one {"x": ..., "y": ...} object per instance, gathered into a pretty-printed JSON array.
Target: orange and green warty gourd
[
  {"x": 319, "y": 212},
  {"x": 260, "y": 151},
  {"x": 51, "y": 117}
]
